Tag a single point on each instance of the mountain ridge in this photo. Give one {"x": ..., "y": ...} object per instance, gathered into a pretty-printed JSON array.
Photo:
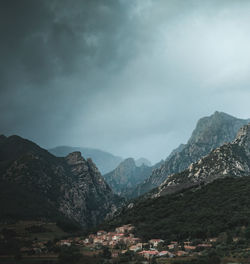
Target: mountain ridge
[
  {"x": 104, "y": 160},
  {"x": 209, "y": 133},
  {"x": 231, "y": 159},
  {"x": 71, "y": 186}
]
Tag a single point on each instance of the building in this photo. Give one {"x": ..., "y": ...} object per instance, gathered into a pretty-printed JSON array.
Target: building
[
  {"x": 189, "y": 248},
  {"x": 155, "y": 242},
  {"x": 136, "y": 247},
  {"x": 101, "y": 232},
  {"x": 149, "y": 253}
]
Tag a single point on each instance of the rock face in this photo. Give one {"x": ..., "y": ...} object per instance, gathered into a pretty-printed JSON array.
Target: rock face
[
  {"x": 126, "y": 176},
  {"x": 210, "y": 133},
  {"x": 231, "y": 159},
  {"x": 105, "y": 161},
  {"x": 70, "y": 186}
]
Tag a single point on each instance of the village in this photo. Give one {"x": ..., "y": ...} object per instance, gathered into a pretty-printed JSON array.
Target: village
[
  {"x": 122, "y": 241},
  {"x": 43, "y": 242}
]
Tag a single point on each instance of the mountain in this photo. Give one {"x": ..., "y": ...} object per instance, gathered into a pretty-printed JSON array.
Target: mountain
[
  {"x": 35, "y": 184},
  {"x": 196, "y": 213},
  {"x": 210, "y": 197},
  {"x": 210, "y": 133},
  {"x": 127, "y": 175},
  {"x": 231, "y": 159},
  {"x": 105, "y": 161},
  {"x": 143, "y": 161}
]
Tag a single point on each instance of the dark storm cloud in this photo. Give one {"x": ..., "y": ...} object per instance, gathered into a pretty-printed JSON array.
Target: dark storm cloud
[
  {"x": 41, "y": 39},
  {"x": 46, "y": 41},
  {"x": 126, "y": 76}
]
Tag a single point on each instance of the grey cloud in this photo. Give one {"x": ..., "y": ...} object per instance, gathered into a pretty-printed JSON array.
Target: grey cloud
[{"x": 131, "y": 77}]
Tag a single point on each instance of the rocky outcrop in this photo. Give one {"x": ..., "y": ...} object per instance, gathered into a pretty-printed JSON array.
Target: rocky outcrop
[
  {"x": 105, "y": 161},
  {"x": 71, "y": 186},
  {"x": 210, "y": 133},
  {"x": 231, "y": 159}
]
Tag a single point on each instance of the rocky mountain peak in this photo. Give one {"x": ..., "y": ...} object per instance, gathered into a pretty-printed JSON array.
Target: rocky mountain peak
[
  {"x": 228, "y": 160},
  {"x": 243, "y": 138},
  {"x": 75, "y": 158},
  {"x": 70, "y": 186},
  {"x": 210, "y": 132}
]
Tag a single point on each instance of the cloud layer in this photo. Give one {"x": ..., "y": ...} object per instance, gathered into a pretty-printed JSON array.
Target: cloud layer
[{"x": 130, "y": 77}]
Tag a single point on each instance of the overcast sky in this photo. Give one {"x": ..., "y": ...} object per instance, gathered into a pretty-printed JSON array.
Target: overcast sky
[{"x": 131, "y": 77}]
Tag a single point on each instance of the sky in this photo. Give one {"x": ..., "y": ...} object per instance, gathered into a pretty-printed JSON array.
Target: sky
[{"x": 131, "y": 77}]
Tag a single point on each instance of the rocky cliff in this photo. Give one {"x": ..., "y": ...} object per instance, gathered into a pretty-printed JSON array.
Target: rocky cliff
[
  {"x": 51, "y": 186},
  {"x": 229, "y": 160},
  {"x": 210, "y": 133},
  {"x": 105, "y": 161}
]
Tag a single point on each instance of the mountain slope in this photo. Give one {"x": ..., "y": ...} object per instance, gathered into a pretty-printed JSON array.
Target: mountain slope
[
  {"x": 210, "y": 197},
  {"x": 231, "y": 159},
  {"x": 127, "y": 175},
  {"x": 221, "y": 206},
  {"x": 210, "y": 132},
  {"x": 52, "y": 186},
  {"x": 105, "y": 161}
]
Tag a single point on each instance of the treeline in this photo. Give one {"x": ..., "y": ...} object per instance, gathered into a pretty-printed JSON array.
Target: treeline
[{"x": 195, "y": 213}]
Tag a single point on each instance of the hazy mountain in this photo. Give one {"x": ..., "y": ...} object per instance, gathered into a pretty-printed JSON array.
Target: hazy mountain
[
  {"x": 210, "y": 133},
  {"x": 36, "y": 184},
  {"x": 126, "y": 176},
  {"x": 105, "y": 161},
  {"x": 142, "y": 161}
]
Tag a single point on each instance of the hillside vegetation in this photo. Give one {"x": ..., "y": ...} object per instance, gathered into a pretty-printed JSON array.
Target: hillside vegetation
[{"x": 223, "y": 205}]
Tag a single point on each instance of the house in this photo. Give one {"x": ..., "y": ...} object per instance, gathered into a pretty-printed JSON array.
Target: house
[
  {"x": 155, "y": 242},
  {"x": 181, "y": 253},
  {"x": 135, "y": 240},
  {"x": 165, "y": 253},
  {"x": 189, "y": 248},
  {"x": 66, "y": 243},
  {"x": 97, "y": 240},
  {"x": 172, "y": 246},
  {"x": 136, "y": 247},
  {"x": 204, "y": 245},
  {"x": 124, "y": 229},
  {"x": 112, "y": 243},
  {"x": 101, "y": 232},
  {"x": 214, "y": 239},
  {"x": 86, "y": 241},
  {"x": 149, "y": 253},
  {"x": 117, "y": 236}
]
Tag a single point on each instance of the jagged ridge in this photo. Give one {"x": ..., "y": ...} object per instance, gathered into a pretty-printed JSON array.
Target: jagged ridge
[
  {"x": 231, "y": 159},
  {"x": 70, "y": 186},
  {"x": 210, "y": 133}
]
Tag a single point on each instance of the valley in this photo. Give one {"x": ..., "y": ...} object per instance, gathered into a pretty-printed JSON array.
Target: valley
[{"x": 199, "y": 215}]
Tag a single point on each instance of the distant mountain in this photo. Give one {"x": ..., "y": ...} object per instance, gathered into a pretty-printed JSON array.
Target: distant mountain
[
  {"x": 35, "y": 184},
  {"x": 105, "y": 161},
  {"x": 210, "y": 133},
  {"x": 210, "y": 197},
  {"x": 142, "y": 161},
  {"x": 231, "y": 159},
  {"x": 126, "y": 176}
]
